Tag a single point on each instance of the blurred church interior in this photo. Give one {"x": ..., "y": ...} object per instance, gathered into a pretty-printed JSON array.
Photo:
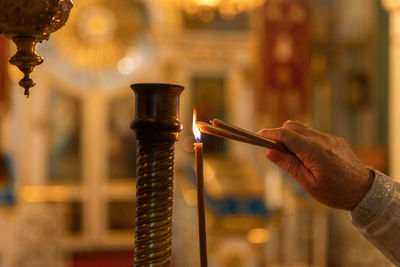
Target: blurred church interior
[{"x": 68, "y": 155}]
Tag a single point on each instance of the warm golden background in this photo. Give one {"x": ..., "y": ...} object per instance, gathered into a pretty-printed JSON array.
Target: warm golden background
[{"x": 67, "y": 171}]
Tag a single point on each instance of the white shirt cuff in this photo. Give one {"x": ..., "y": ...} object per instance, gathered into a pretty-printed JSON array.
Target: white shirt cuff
[{"x": 374, "y": 202}]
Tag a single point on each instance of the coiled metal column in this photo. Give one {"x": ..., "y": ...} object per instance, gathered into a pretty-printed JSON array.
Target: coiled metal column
[{"x": 157, "y": 125}]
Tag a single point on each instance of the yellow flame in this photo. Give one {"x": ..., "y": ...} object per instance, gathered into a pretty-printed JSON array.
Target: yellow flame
[{"x": 196, "y": 131}]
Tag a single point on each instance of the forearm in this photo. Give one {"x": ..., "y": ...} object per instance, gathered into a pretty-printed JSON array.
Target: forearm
[{"x": 377, "y": 216}]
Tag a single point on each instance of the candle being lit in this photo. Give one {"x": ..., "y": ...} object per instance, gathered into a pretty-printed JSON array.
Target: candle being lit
[{"x": 198, "y": 150}]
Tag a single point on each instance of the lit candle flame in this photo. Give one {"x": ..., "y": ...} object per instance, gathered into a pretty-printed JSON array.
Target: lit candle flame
[{"x": 196, "y": 130}]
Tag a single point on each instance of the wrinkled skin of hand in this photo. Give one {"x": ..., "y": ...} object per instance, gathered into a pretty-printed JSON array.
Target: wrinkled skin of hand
[{"x": 324, "y": 165}]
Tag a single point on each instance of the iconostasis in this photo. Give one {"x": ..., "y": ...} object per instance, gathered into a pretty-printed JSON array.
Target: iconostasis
[{"x": 70, "y": 155}]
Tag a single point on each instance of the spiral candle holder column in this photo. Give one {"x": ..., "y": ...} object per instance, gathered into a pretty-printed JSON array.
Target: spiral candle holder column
[{"x": 157, "y": 125}]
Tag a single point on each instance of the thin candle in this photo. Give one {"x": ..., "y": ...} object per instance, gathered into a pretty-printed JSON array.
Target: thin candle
[
  {"x": 212, "y": 130},
  {"x": 225, "y": 130},
  {"x": 198, "y": 150}
]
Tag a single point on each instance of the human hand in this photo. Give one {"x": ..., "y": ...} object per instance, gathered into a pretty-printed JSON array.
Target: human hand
[{"x": 323, "y": 164}]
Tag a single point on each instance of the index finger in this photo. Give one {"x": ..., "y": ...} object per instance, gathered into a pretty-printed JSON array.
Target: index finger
[
  {"x": 300, "y": 127},
  {"x": 294, "y": 141}
]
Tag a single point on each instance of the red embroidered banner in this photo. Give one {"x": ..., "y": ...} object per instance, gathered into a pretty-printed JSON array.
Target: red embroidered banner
[
  {"x": 283, "y": 91},
  {"x": 4, "y": 79}
]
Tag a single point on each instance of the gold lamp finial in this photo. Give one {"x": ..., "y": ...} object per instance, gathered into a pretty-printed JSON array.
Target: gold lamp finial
[{"x": 27, "y": 22}]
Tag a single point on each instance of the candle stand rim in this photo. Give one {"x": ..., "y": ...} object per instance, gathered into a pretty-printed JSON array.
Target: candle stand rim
[{"x": 151, "y": 87}]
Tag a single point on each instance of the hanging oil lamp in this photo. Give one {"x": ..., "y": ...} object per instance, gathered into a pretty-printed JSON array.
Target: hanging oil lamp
[{"x": 27, "y": 22}]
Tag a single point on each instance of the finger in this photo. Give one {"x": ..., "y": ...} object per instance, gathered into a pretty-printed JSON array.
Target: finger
[
  {"x": 294, "y": 141},
  {"x": 292, "y": 165},
  {"x": 299, "y": 127}
]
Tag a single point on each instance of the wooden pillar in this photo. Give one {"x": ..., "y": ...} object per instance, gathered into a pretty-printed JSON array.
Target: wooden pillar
[{"x": 393, "y": 6}]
